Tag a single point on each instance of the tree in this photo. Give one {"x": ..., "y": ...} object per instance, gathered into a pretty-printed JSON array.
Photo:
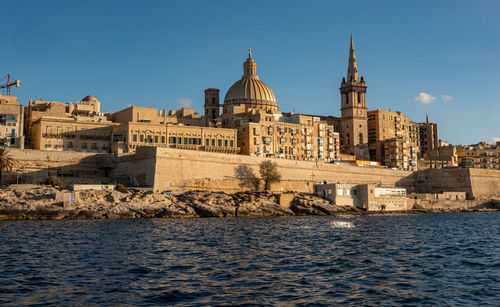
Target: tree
[
  {"x": 6, "y": 162},
  {"x": 247, "y": 177},
  {"x": 269, "y": 173}
]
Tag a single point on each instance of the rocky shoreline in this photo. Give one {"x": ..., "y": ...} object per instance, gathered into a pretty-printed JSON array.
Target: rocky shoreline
[{"x": 34, "y": 202}]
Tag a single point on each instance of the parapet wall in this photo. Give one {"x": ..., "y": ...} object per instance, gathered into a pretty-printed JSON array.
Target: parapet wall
[
  {"x": 180, "y": 170},
  {"x": 485, "y": 183},
  {"x": 476, "y": 183},
  {"x": 35, "y": 166}
]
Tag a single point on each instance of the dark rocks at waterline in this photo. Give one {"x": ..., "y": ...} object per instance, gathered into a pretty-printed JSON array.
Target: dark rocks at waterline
[{"x": 29, "y": 202}]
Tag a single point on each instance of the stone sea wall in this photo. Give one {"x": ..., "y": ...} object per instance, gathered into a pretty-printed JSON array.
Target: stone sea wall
[
  {"x": 476, "y": 183},
  {"x": 182, "y": 170},
  {"x": 35, "y": 166}
]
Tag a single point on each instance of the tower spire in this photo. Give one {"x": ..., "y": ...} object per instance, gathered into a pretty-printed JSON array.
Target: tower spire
[{"x": 352, "y": 68}]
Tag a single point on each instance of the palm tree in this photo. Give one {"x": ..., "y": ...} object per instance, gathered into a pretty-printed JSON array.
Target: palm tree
[{"x": 6, "y": 162}]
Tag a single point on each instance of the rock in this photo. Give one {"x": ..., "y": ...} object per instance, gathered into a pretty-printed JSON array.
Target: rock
[
  {"x": 262, "y": 208},
  {"x": 313, "y": 205}
]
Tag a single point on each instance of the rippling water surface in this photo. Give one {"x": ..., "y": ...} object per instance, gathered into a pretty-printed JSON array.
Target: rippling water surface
[{"x": 431, "y": 259}]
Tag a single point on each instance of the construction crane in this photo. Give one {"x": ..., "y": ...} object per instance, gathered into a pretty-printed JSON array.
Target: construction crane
[{"x": 7, "y": 86}]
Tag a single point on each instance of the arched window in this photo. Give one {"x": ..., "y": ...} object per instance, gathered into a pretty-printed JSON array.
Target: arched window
[
  {"x": 213, "y": 100},
  {"x": 347, "y": 139},
  {"x": 359, "y": 98},
  {"x": 361, "y": 138}
]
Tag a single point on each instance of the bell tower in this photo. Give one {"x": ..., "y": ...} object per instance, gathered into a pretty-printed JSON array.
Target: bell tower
[
  {"x": 354, "y": 120},
  {"x": 212, "y": 106}
]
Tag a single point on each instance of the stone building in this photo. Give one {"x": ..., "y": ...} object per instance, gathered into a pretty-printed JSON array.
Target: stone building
[
  {"x": 480, "y": 155},
  {"x": 428, "y": 136},
  {"x": 353, "y": 124},
  {"x": 369, "y": 197},
  {"x": 11, "y": 122},
  {"x": 251, "y": 107},
  {"x": 182, "y": 129},
  {"x": 385, "y": 125},
  {"x": 443, "y": 156},
  {"x": 63, "y": 126},
  {"x": 400, "y": 153}
]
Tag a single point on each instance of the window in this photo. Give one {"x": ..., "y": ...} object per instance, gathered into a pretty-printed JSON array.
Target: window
[
  {"x": 231, "y": 143},
  {"x": 141, "y": 138},
  {"x": 207, "y": 142},
  {"x": 171, "y": 140},
  {"x": 156, "y": 139},
  {"x": 225, "y": 143},
  {"x": 219, "y": 143},
  {"x": 185, "y": 141},
  {"x": 179, "y": 140},
  {"x": 134, "y": 138},
  {"x": 163, "y": 139},
  {"x": 213, "y": 142}
]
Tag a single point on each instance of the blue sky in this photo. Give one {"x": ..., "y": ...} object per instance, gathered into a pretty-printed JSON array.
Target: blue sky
[{"x": 440, "y": 57}]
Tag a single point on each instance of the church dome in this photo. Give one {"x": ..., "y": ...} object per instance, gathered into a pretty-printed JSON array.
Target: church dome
[
  {"x": 90, "y": 99},
  {"x": 250, "y": 90}
]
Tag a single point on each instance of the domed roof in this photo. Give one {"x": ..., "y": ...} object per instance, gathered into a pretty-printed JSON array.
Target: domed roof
[
  {"x": 90, "y": 99},
  {"x": 250, "y": 90}
]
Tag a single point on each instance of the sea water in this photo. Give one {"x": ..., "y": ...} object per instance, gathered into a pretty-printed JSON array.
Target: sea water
[{"x": 428, "y": 259}]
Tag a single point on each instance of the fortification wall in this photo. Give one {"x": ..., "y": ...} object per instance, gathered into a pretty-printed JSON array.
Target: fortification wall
[
  {"x": 179, "y": 170},
  {"x": 137, "y": 169},
  {"x": 476, "y": 183},
  {"x": 452, "y": 204},
  {"x": 485, "y": 183},
  {"x": 446, "y": 179},
  {"x": 35, "y": 166}
]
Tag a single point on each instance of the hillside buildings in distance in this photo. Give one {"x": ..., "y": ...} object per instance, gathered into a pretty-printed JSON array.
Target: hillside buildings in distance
[{"x": 248, "y": 122}]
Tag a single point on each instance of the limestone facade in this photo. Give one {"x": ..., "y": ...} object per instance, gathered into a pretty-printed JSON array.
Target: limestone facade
[
  {"x": 250, "y": 107},
  {"x": 386, "y": 125},
  {"x": 182, "y": 170},
  {"x": 370, "y": 197},
  {"x": 127, "y": 137},
  {"x": 443, "y": 156},
  {"x": 353, "y": 125},
  {"x": 481, "y": 155},
  {"x": 11, "y": 122},
  {"x": 182, "y": 129},
  {"x": 288, "y": 136},
  {"x": 400, "y": 153},
  {"x": 63, "y": 126},
  {"x": 382, "y": 198}
]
